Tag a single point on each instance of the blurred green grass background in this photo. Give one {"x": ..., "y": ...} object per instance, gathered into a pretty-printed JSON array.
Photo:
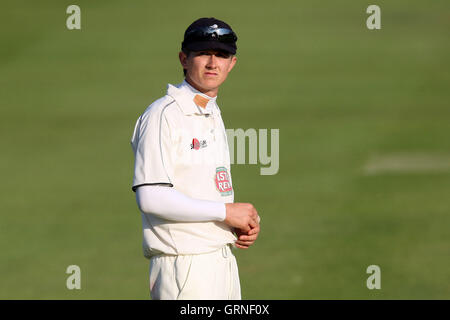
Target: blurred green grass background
[{"x": 339, "y": 93}]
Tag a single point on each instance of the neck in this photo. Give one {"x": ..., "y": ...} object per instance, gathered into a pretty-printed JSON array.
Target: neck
[{"x": 210, "y": 93}]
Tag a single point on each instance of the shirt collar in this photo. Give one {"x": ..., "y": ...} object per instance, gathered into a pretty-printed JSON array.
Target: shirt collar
[{"x": 184, "y": 95}]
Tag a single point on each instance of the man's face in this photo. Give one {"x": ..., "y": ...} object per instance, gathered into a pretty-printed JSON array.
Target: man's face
[{"x": 208, "y": 69}]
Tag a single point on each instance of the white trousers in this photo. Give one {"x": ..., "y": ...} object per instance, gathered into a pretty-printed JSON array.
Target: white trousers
[{"x": 207, "y": 276}]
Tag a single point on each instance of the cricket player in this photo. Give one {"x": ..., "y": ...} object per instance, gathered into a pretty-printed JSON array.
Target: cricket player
[{"x": 182, "y": 177}]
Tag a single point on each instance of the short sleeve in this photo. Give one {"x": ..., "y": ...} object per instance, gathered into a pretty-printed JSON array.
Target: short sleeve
[{"x": 150, "y": 143}]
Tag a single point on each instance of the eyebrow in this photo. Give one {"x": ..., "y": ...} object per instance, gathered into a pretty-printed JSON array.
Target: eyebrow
[{"x": 226, "y": 54}]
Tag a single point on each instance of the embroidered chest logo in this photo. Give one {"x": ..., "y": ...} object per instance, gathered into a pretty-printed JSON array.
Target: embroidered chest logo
[
  {"x": 223, "y": 183},
  {"x": 198, "y": 144}
]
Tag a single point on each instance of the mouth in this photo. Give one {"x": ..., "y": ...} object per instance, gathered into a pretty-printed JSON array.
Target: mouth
[{"x": 211, "y": 74}]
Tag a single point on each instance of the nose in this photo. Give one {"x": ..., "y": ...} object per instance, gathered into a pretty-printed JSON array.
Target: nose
[{"x": 212, "y": 62}]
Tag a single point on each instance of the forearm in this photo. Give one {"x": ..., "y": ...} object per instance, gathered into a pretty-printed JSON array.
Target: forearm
[{"x": 170, "y": 204}]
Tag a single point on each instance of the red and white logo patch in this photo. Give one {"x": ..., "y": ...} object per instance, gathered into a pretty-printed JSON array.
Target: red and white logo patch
[
  {"x": 195, "y": 144},
  {"x": 223, "y": 184},
  {"x": 198, "y": 144}
]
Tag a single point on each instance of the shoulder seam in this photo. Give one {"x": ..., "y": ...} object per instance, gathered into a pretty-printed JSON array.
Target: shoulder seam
[{"x": 160, "y": 144}]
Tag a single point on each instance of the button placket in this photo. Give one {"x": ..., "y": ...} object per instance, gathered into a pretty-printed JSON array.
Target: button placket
[{"x": 212, "y": 131}]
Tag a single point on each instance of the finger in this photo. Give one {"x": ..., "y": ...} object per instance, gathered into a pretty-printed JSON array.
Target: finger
[
  {"x": 245, "y": 243},
  {"x": 248, "y": 235},
  {"x": 241, "y": 247},
  {"x": 248, "y": 238},
  {"x": 252, "y": 224},
  {"x": 254, "y": 231}
]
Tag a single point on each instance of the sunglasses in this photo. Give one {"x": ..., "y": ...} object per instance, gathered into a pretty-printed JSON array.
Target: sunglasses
[{"x": 209, "y": 33}]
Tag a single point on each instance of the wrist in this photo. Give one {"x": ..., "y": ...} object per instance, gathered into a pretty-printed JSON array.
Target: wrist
[{"x": 223, "y": 213}]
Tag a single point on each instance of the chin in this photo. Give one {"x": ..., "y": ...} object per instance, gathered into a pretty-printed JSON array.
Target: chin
[{"x": 212, "y": 83}]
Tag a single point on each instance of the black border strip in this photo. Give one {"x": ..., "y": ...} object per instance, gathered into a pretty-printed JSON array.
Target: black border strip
[{"x": 245, "y": 309}]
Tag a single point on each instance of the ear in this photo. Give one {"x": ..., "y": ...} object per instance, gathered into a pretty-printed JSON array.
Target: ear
[
  {"x": 183, "y": 59},
  {"x": 233, "y": 62}
]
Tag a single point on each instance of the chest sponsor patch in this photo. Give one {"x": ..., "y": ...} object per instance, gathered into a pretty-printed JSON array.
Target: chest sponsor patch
[
  {"x": 223, "y": 184},
  {"x": 196, "y": 144}
]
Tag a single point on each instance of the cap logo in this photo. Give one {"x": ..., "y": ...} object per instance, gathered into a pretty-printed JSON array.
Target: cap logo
[{"x": 214, "y": 26}]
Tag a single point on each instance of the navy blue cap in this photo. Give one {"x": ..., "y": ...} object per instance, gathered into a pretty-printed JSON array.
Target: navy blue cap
[{"x": 209, "y": 34}]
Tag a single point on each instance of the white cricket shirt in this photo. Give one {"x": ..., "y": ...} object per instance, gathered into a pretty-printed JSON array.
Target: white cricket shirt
[{"x": 180, "y": 141}]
